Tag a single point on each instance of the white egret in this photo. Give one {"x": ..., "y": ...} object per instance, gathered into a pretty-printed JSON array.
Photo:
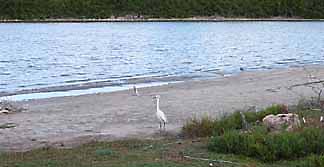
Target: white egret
[
  {"x": 322, "y": 119},
  {"x": 135, "y": 91},
  {"x": 160, "y": 114},
  {"x": 304, "y": 120}
]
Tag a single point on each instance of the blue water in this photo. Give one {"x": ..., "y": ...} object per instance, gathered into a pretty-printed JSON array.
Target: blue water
[{"x": 34, "y": 56}]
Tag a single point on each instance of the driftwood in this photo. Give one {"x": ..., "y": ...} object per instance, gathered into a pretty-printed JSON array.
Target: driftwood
[
  {"x": 245, "y": 124},
  {"x": 316, "y": 84},
  {"x": 7, "y": 125},
  {"x": 7, "y": 107},
  {"x": 306, "y": 84}
]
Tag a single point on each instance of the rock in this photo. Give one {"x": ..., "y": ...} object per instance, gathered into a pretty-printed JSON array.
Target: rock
[
  {"x": 4, "y": 111},
  {"x": 8, "y": 107},
  {"x": 8, "y": 125},
  {"x": 279, "y": 122}
]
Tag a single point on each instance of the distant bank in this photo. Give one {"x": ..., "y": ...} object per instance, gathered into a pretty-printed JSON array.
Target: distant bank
[
  {"x": 205, "y": 19},
  {"x": 81, "y": 9}
]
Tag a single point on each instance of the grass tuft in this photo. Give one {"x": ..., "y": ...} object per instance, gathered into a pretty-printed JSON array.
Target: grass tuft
[
  {"x": 103, "y": 152},
  {"x": 198, "y": 127},
  {"x": 312, "y": 161}
]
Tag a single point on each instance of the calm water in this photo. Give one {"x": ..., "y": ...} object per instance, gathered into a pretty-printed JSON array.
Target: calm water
[{"x": 35, "y": 56}]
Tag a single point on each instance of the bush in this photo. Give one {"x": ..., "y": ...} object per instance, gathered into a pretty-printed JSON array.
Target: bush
[
  {"x": 207, "y": 127},
  {"x": 275, "y": 109},
  {"x": 234, "y": 121},
  {"x": 270, "y": 147},
  {"x": 198, "y": 127}
]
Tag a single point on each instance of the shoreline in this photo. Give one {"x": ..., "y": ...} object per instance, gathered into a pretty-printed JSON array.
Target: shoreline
[
  {"x": 65, "y": 122},
  {"x": 107, "y": 85},
  {"x": 203, "y": 19}
]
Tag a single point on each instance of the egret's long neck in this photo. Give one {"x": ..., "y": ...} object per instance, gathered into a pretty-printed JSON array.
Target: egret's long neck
[{"x": 157, "y": 104}]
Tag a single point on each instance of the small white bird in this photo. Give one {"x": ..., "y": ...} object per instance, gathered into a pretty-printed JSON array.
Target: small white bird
[
  {"x": 160, "y": 114},
  {"x": 322, "y": 119},
  {"x": 135, "y": 91},
  {"x": 304, "y": 120}
]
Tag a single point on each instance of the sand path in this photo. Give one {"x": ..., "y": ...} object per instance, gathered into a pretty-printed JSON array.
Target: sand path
[{"x": 70, "y": 121}]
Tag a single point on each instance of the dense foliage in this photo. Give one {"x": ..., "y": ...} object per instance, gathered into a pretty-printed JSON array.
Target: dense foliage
[
  {"x": 251, "y": 138},
  {"x": 41, "y": 9},
  {"x": 260, "y": 143},
  {"x": 207, "y": 127},
  {"x": 270, "y": 147}
]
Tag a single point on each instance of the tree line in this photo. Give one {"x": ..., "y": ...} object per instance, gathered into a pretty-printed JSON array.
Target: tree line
[{"x": 43, "y": 9}]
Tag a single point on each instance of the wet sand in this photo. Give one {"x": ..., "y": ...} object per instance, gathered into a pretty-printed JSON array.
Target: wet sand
[{"x": 70, "y": 121}]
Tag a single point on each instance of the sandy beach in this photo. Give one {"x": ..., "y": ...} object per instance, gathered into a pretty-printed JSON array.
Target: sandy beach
[{"x": 71, "y": 121}]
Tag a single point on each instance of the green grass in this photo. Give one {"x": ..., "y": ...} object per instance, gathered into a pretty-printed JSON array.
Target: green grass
[
  {"x": 136, "y": 153},
  {"x": 254, "y": 148},
  {"x": 131, "y": 153},
  {"x": 270, "y": 147}
]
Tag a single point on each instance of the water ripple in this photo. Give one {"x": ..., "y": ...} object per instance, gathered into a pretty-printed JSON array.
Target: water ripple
[{"x": 44, "y": 55}]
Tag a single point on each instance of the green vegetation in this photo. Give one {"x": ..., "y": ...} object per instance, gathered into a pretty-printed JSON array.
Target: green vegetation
[
  {"x": 270, "y": 147},
  {"x": 42, "y": 9},
  {"x": 141, "y": 153},
  {"x": 223, "y": 140},
  {"x": 207, "y": 127},
  {"x": 198, "y": 127},
  {"x": 229, "y": 135}
]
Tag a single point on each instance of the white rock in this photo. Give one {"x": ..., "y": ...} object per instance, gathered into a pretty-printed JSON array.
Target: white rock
[
  {"x": 4, "y": 111},
  {"x": 281, "y": 122}
]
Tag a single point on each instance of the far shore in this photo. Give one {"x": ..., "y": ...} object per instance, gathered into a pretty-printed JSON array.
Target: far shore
[
  {"x": 74, "y": 120},
  {"x": 125, "y": 19}
]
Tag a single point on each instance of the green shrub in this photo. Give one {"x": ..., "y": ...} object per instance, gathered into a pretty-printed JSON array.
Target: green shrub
[
  {"x": 270, "y": 147},
  {"x": 234, "y": 121},
  {"x": 207, "y": 127},
  {"x": 198, "y": 127},
  {"x": 275, "y": 109}
]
